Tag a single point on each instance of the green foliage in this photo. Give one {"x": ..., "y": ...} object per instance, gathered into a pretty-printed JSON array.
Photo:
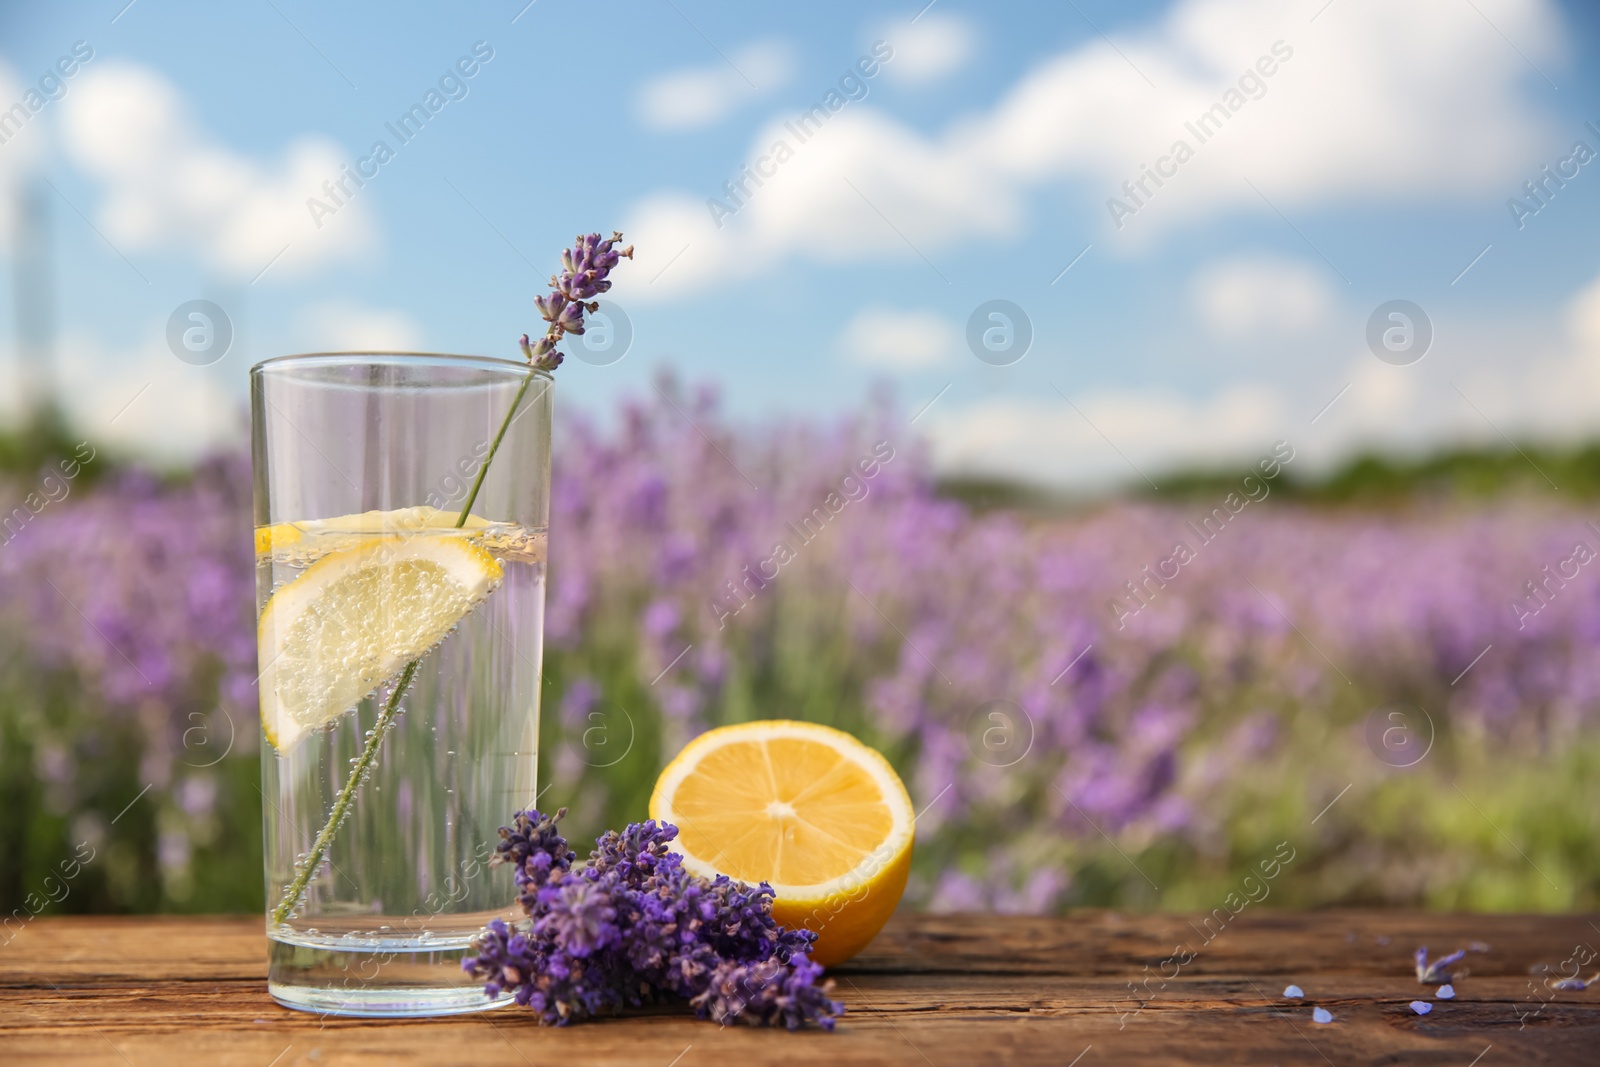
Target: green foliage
[
  {"x": 1463, "y": 475},
  {"x": 1472, "y": 827},
  {"x": 105, "y": 817},
  {"x": 41, "y": 442}
]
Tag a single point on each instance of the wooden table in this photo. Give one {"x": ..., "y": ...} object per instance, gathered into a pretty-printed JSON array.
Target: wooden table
[{"x": 939, "y": 990}]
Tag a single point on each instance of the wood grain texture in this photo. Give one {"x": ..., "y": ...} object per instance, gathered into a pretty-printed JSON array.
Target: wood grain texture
[{"x": 932, "y": 990}]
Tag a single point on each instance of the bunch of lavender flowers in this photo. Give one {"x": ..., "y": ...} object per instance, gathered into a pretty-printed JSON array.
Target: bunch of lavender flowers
[{"x": 632, "y": 927}]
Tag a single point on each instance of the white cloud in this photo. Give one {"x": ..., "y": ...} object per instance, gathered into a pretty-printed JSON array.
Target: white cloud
[
  {"x": 702, "y": 96},
  {"x": 341, "y": 326},
  {"x": 1386, "y": 101},
  {"x": 1375, "y": 102},
  {"x": 899, "y": 340},
  {"x": 927, "y": 49},
  {"x": 1583, "y": 316},
  {"x": 167, "y": 183},
  {"x": 1052, "y": 442},
  {"x": 861, "y": 187},
  {"x": 142, "y": 400},
  {"x": 146, "y": 401},
  {"x": 1525, "y": 388},
  {"x": 1248, "y": 296}
]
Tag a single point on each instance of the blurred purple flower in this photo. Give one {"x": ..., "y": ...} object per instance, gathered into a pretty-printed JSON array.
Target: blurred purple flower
[{"x": 197, "y": 795}]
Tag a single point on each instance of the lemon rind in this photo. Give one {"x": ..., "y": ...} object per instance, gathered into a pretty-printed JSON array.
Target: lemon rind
[{"x": 422, "y": 518}]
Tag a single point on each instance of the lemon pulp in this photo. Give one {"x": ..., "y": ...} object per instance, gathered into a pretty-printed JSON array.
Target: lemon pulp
[
  {"x": 352, "y": 619},
  {"x": 808, "y": 809}
]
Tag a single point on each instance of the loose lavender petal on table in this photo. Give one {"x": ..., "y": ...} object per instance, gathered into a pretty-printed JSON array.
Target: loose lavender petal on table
[{"x": 1439, "y": 970}]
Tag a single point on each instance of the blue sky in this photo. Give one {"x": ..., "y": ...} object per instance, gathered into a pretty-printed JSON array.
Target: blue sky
[{"x": 1227, "y": 310}]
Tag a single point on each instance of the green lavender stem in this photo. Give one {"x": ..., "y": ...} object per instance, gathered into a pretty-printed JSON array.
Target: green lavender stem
[
  {"x": 346, "y": 798},
  {"x": 386, "y": 718},
  {"x": 477, "y": 483}
]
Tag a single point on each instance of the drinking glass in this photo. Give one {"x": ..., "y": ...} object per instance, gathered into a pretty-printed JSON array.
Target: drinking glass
[{"x": 386, "y": 809}]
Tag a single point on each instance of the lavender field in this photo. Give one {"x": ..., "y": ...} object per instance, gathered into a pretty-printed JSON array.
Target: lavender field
[{"x": 1124, "y": 704}]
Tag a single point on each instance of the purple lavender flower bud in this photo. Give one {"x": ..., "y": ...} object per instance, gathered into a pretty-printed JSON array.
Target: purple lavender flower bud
[
  {"x": 550, "y": 306},
  {"x": 533, "y": 847},
  {"x": 577, "y": 915},
  {"x": 768, "y": 993},
  {"x": 570, "y": 317}
]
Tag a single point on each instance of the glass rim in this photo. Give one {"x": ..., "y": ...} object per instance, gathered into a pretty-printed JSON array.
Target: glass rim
[{"x": 376, "y": 356}]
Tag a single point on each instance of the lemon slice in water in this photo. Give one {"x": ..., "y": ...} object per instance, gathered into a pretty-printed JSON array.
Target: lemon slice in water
[
  {"x": 331, "y": 533},
  {"x": 354, "y": 618}
]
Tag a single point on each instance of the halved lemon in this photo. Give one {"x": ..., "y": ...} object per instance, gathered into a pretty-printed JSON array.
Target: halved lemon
[
  {"x": 809, "y": 809},
  {"x": 354, "y": 618}
]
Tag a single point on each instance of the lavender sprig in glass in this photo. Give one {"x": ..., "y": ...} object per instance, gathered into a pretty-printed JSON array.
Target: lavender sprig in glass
[{"x": 585, "y": 273}]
